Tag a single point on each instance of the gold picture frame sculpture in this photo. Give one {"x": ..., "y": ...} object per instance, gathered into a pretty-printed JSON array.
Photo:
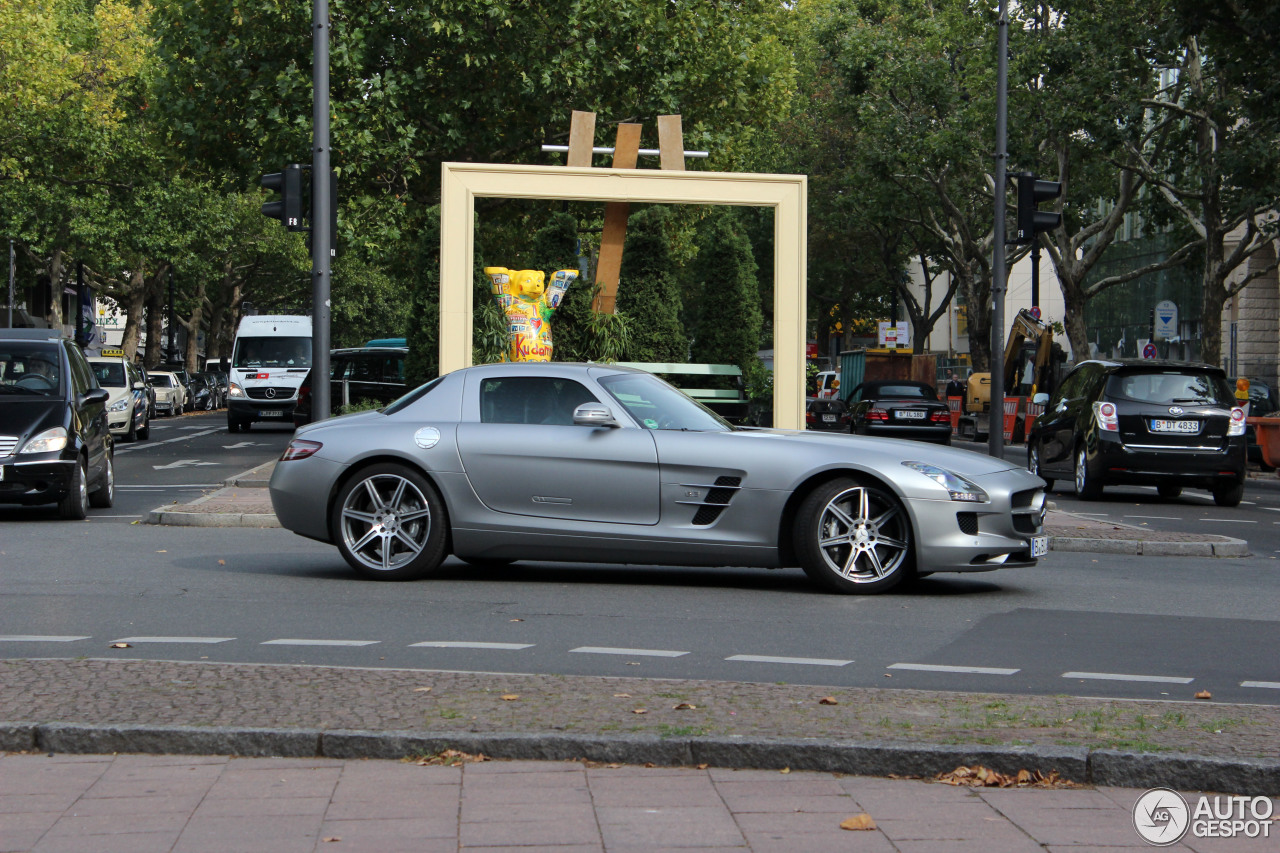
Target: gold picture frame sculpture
[{"x": 462, "y": 183}]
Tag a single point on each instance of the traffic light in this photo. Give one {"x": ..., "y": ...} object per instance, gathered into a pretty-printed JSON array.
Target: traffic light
[
  {"x": 289, "y": 208},
  {"x": 1031, "y": 192}
]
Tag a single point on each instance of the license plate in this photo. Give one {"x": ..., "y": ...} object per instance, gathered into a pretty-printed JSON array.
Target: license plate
[
  {"x": 1, "y": 473},
  {"x": 270, "y": 413},
  {"x": 829, "y": 418},
  {"x": 1039, "y": 546},
  {"x": 909, "y": 415},
  {"x": 1175, "y": 426}
]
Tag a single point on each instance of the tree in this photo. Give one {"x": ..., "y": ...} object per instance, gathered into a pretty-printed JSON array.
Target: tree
[
  {"x": 648, "y": 290},
  {"x": 729, "y": 319}
]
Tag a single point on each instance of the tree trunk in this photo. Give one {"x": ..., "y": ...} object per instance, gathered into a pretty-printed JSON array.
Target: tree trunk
[
  {"x": 54, "y": 317},
  {"x": 134, "y": 308},
  {"x": 155, "y": 329},
  {"x": 192, "y": 324}
]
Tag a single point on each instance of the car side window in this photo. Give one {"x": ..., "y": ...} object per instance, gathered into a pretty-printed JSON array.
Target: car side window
[
  {"x": 531, "y": 400},
  {"x": 82, "y": 378}
]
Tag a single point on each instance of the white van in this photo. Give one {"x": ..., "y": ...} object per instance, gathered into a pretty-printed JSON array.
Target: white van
[{"x": 270, "y": 359}]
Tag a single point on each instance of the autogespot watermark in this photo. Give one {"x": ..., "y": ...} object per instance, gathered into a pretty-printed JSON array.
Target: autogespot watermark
[{"x": 1162, "y": 817}]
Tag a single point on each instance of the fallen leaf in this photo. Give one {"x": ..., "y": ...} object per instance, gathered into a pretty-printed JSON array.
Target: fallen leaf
[
  {"x": 510, "y": 697},
  {"x": 622, "y": 696},
  {"x": 685, "y": 706},
  {"x": 828, "y": 700},
  {"x": 633, "y": 663},
  {"x": 1204, "y": 694},
  {"x": 1024, "y": 777},
  {"x": 422, "y": 690},
  {"x": 515, "y": 620},
  {"x": 859, "y": 821},
  {"x": 451, "y": 758},
  {"x": 701, "y": 766},
  {"x": 121, "y": 646},
  {"x": 640, "y": 711},
  {"x": 333, "y": 838},
  {"x": 162, "y": 552},
  {"x": 223, "y": 563},
  {"x": 785, "y": 770}
]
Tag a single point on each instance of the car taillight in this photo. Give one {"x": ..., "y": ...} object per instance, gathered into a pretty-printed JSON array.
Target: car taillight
[
  {"x": 1105, "y": 413},
  {"x": 877, "y": 415},
  {"x": 940, "y": 417},
  {"x": 300, "y": 448},
  {"x": 1237, "y": 424}
]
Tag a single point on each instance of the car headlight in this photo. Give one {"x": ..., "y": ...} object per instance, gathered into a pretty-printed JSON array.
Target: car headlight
[
  {"x": 49, "y": 441},
  {"x": 961, "y": 489},
  {"x": 120, "y": 405},
  {"x": 235, "y": 391}
]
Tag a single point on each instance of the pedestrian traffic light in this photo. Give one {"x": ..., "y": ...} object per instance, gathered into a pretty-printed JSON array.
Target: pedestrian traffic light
[
  {"x": 289, "y": 208},
  {"x": 1031, "y": 192}
]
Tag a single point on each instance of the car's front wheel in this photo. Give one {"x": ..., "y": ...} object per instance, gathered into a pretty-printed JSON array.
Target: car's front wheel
[
  {"x": 1229, "y": 495},
  {"x": 75, "y": 506},
  {"x": 390, "y": 523},
  {"x": 1087, "y": 485},
  {"x": 852, "y": 537},
  {"x": 104, "y": 496}
]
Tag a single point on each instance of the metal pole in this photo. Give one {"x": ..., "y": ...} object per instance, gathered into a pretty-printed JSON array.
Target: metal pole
[
  {"x": 1035, "y": 272},
  {"x": 80, "y": 298},
  {"x": 321, "y": 214},
  {"x": 11, "y": 275},
  {"x": 173, "y": 356},
  {"x": 995, "y": 422}
]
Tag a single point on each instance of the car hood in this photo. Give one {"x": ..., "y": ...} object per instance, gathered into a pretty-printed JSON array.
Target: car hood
[
  {"x": 116, "y": 393},
  {"x": 966, "y": 462},
  {"x": 25, "y": 418}
]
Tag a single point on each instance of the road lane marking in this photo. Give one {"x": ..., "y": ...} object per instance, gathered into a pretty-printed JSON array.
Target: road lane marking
[
  {"x": 1269, "y": 685},
  {"x": 1114, "y": 676},
  {"x": 607, "y": 650},
  {"x": 288, "y": 642},
  {"x": 462, "y": 644},
  {"x": 140, "y": 446},
  {"x": 1160, "y": 517},
  {"x": 208, "y": 640},
  {"x": 1230, "y": 520},
  {"x": 772, "y": 659},
  {"x": 968, "y": 670},
  {"x": 37, "y": 638},
  {"x": 120, "y": 488}
]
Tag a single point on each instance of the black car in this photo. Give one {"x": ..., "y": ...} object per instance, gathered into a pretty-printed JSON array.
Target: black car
[
  {"x": 357, "y": 376},
  {"x": 220, "y": 383},
  {"x": 204, "y": 397},
  {"x": 1142, "y": 422},
  {"x": 55, "y": 446},
  {"x": 899, "y": 408},
  {"x": 831, "y": 413}
]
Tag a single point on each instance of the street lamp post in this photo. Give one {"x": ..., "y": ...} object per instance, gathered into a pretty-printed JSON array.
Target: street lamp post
[
  {"x": 995, "y": 421},
  {"x": 321, "y": 214}
]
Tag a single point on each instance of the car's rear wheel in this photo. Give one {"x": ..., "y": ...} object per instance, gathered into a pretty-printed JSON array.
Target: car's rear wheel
[
  {"x": 1229, "y": 495},
  {"x": 1087, "y": 485},
  {"x": 104, "y": 496},
  {"x": 1168, "y": 491},
  {"x": 1033, "y": 465},
  {"x": 852, "y": 537},
  {"x": 75, "y": 506},
  {"x": 390, "y": 523}
]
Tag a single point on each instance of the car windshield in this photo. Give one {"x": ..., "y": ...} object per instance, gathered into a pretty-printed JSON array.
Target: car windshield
[
  {"x": 110, "y": 373},
  {"x": 29, "y": 370},
  {"x": 273, "y": 352},
  {"x": 657, "y": 405},
  {"x": 161, "y": 380},
  {"x": 1171, "y": 387}
]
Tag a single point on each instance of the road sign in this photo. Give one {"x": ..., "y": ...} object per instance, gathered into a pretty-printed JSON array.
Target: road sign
[
  {"x": 1166, "y": 320},
  {"x": 1149, "y": 351},
  {"x": 1035, "y": 311}
]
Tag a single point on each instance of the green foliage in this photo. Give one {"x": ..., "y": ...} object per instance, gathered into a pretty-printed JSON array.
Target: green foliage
[
  {"x": 729, "y": 319},
  {"x": 648, "y": 293},
  {"x": 422, "y": 332}
]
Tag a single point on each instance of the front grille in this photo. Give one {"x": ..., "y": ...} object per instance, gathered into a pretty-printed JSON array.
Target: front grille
[
  {"x": 8, "y": 444},
  {"x": 968, "y": 522},
  {"x": 261, "y": 393},
  {"x": 1026, "y": 524}
]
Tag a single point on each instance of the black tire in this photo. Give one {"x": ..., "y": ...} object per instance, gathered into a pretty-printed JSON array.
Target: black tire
[
  {"x": 177, "y": 408},
  {"x": 144, "y": 431},
  {"x": 104, "y": 496},
  {"x": 1229, "y": 495},
  {"x": 1168, "y": 491},
  {"x": 1087, "y": 486},
  {"x": 75, "y": 506},
  {"x": 1033, "y": 465},
  {"x": 389, "y": 523},
  {"x": 132, "y": 435},
  {"x": 851, "y": 537}
]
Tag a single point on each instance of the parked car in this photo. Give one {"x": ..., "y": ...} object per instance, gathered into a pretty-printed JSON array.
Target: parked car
[
  {"x": 357, "y": 376},
  {"x": 1147, "y": 422},
  {"x": 600, "y": 463},
  {"x": 150, "y": 392},
  {"x": 220, "y": 383},
  {"x": 170, "y": 393},
  {"x": 128, "y": 405},
  {"x": 898, "y": 408},
  {"x": 55, "y": 445},
  {"x": 831, "y": 413},
  {"x": 204, "y": 397}
]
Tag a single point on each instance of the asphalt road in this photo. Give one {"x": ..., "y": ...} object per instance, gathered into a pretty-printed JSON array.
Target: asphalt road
[{"x": 1084, "y": 624}]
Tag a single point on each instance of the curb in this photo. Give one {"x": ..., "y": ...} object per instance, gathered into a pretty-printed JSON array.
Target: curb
[
  {"x": 1226, "y": 547},
  {"x": 177, "y": 518},
  {"x": 1245, "y": 777}
]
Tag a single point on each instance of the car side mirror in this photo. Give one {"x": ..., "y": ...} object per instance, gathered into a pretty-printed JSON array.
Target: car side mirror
[
  {"x": 1040, "y": 399},
  {"x": 95, "y": 395},
  {"x": 139, "y": 386},
  {"x": 594, "y": 415}
]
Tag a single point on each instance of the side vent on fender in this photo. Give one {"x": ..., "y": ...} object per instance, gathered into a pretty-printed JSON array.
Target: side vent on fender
[{"x": 718, "y": 496}]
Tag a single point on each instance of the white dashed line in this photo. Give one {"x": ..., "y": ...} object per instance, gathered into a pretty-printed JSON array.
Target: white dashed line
[
  {"x": 606, "y": 650},
  {"x": 1113, "y": 676},
  {"x": 37, "y": 638},
  {"x": 1160, "y": 517},
  {"x": 806, "y": 661},
  {"x": 206, "y": 640},
  {"x": 966, "y": 670},
  {"x": 461, "y": 644},
  {"x": 1230, "y": 520},
  {"x": 1269, "y": 685},
  {"x": 141, "y": 446},
  {"x": 320, "y": 642}
]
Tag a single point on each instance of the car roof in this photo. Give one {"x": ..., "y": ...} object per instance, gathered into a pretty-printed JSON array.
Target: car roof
[
  {"x": 377, "y": 350},
  {"x": 1116, "y": 364},
  {"x": 32, "y": 334}
]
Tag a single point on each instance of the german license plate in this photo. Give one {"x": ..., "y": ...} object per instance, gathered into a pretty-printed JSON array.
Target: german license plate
[
  {"x": 1039, "y": 546},
  {"x": 909, "y": 414},
  {"x": 270, "y": 413},
  {"x": 1175, "y": 426},
  {"x": 829, "y": 418}
]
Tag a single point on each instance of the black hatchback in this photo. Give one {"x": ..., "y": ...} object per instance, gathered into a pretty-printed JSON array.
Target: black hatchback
[
  {"x": 1142, "y": 422},
  {"x": 55, "y": 446}
]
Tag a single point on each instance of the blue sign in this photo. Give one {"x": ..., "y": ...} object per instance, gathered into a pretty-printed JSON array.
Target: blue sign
[{"x": 1149, "y": 351}]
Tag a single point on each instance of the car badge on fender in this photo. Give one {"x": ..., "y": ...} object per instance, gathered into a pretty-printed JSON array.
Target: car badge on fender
[
  {"x": 427, "y": 437},
  {"x": 1175, "y": 410}
]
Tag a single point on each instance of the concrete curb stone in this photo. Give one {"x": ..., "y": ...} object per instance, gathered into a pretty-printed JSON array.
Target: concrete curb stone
[
  {"x": 179, "y": 518},
  {"x": 17, "y": 737},
  {"x": 1249, "y": 777},
  {"x": 177, "y": 740}
]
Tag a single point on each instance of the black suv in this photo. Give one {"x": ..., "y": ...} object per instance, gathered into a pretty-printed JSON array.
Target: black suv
[
  {"x": 1142, "y": 422},
  {"x": 55, "y": 446},
  {"x": 358, "y": 376}
]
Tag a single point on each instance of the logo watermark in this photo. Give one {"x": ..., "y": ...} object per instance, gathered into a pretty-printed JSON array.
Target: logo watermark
[{"x": 1162, "y": 817}]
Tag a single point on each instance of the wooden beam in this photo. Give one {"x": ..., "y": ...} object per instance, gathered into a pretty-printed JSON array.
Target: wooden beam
[
  {"x": 582, "y": 136},
  {"x": 609, "y": 264},
  {"x": 670, "y": 143}
]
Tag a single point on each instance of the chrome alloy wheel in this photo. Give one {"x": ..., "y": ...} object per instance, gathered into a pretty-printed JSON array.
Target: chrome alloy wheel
[
  {"x": 863, "y": 536},
  {"x": 386, "y": 522}
]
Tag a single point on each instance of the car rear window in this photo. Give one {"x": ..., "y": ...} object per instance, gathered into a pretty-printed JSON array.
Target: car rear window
[
  {"x": 110, "y": 374},
  {"x": 916, "y": 392},
  {"x": 1169, "y": 387}
]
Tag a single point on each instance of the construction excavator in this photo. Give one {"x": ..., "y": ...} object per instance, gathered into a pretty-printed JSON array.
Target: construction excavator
[{"x": 1032, "y": 364}]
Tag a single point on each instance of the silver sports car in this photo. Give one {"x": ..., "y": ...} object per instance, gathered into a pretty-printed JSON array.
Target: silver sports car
[{"x": 602, "y": 464}]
